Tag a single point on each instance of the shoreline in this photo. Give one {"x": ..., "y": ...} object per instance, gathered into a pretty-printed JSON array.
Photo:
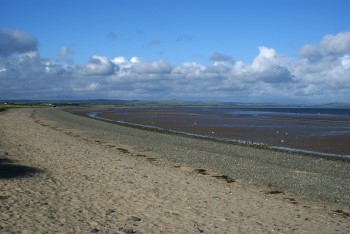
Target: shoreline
[
  {"x": 255, "y": 163},
  {"x": 330, "y": 156},
  {"x": 248, "y": 143},
  {"x": 85, "y": 175},
  {"x": 314, "y": 134}
]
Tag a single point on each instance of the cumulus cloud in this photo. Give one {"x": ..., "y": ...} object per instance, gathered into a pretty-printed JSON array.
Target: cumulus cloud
[
  {"x": 330, "y": 45},
  {"x": 13, "y": 41},
  {"x": 136, "y": 69},
  {"x": 345, "y": 61},
  {"x": 218, "y": 68},
  {"x": 336, "y": 44},
  {"x": 268, "y": 67},
  {"x": 321, "y": 73},
  {"x": 326, "y": 71},
  {"x": 120, "y": 60},
  {"x": 97, "y": 65},
  {"x": 189, "y": 69},
  {"x": 311, "y": 53},
  {"x": 276, "y": 74},
  {"x": 266, "y": 59},
  {"x": 157, "y": 67},
  {"x": 31, "y": 77},
  {"x": 135, "y": 59}
]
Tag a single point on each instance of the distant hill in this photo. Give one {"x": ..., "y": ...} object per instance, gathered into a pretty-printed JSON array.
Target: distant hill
[
  {"x": 333, "y": 105},
  {"x": 172, "y": 102}
]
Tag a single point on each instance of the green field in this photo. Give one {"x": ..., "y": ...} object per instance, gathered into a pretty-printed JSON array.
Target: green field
[{"x": 3, "y": 107}]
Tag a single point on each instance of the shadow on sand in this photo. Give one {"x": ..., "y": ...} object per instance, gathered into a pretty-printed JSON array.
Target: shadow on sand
[{"x": 9, "y": 169}]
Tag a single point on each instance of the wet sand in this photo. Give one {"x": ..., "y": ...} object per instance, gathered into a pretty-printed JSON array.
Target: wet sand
[
  {"x": 68, "y": 174},
  {"x": 322, "y": 134}
]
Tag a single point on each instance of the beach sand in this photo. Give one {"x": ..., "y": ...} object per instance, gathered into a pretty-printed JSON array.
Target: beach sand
[{"x": 62, "y": 173}]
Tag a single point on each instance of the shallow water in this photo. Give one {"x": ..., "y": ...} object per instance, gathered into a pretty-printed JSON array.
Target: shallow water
[{"x": 319, "y": 131}]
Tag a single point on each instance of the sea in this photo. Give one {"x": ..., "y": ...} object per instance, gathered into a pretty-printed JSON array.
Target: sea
[{"x": 316, "y": 131}]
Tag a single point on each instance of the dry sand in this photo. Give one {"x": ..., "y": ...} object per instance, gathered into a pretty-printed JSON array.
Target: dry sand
[{"x": 59, "y": 177}]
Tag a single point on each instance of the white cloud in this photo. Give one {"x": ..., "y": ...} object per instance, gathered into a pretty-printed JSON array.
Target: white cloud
[
  {"x": 345, "y": 61},
  {"x": 97, "y": 65},
  {"x": 266, "y": 59},
  {"x": 219, "y": 68},
  {"x": 336, "y": 44},
  {"x": 119, "y": 60},
  {"x": 268, "y": 67},
  {"x": 311, "y": 53},
  {"x": 123, "y": 64},
  {"x": 135, "y": 59},
  {"x": 138, "y": 66},
  {"x": 157, "y": 67},
  {"x": 322, "y": 73},
  {"x": 29, "y": 56},
  {"x": 189, "y": 69}
]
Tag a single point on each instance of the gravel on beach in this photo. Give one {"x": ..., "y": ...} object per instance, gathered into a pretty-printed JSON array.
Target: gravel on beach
[
  {"x": 309, "y": 176},
  {"x": 64, "y": 173}
]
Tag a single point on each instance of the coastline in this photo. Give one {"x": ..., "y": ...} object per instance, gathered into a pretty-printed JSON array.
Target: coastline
[
  {"x": 329, "y": 156},
  {"x": 93, "y": 174},
  {"x": 251, "y": 164},
  {"x": 322, "y": 135}
]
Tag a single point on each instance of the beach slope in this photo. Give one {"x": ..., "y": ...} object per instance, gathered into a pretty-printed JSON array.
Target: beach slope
[{"x": 65, "y": 173}]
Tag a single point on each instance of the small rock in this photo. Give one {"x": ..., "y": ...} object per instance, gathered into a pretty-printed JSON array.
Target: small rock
[
  {"x": 109, "y": 211},
  {"x": 44, "y": 203},
  {"x": 94, "y": 230},
  {"x": 134, "y": 218},
  {"x": 128, "y": 230}
]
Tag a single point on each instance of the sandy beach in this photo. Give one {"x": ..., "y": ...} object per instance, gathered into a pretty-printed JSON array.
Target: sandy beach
[{"x": 63, "y": 173}]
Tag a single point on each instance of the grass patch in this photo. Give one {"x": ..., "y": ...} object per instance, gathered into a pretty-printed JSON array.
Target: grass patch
[{"x": 4, "y": 107}]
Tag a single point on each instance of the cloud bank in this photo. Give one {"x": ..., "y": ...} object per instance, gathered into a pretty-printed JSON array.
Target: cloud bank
[{"x": 320, "y": 74}]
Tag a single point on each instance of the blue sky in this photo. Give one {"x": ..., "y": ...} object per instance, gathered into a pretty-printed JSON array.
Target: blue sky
[{"x": 252, "y": 50}]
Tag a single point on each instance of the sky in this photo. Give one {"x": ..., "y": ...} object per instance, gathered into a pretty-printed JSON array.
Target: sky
[{"x": 279, "y": 51}]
